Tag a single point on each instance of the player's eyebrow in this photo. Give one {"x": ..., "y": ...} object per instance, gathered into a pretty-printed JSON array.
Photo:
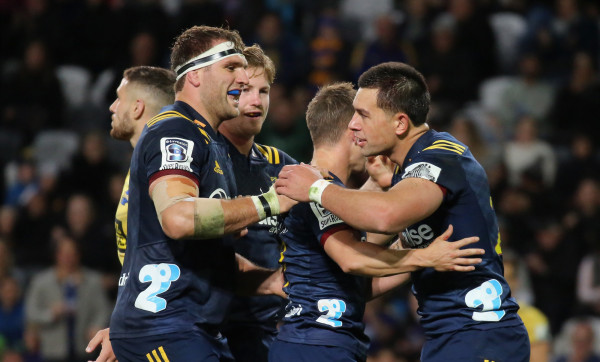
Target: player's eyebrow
[{"x": 362, "y": 112}]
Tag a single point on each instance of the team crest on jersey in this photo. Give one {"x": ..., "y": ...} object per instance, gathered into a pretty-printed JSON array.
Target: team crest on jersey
[
  {"x": 324, "y": 217},
  {"x": 176, "y": 154},
  {"x": 423, "y": 170}
]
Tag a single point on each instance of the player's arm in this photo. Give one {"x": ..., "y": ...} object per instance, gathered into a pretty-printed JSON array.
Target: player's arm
[
  {"x": 367, "y": 259},
  {"x": 408, "y": 202},
  {"x": 182, "y": 214},
  {"x": 381, "y": 286}
]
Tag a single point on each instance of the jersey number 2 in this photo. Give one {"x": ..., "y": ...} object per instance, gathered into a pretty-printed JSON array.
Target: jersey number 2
[
  {"x": 334, "y": 309},
  {"x": 160, "y": 276},
  {"x": 488, "y": 296}
]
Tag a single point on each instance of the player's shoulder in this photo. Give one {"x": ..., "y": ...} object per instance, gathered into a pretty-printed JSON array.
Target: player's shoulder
[
  {"x": 274, "y": 155},
  {"x": 173, "y": 121},
  {"x": 441, "y": 143}
]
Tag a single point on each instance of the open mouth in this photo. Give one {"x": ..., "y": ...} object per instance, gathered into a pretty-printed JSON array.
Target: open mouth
[
  {"x": 255, "y": 114},
  {"x": 359, "y": 141},
  {"x": 234, "y": 94}
]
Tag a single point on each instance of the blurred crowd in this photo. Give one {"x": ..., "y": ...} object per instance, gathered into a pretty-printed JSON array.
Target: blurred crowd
[{"x": 515, "y": 80}]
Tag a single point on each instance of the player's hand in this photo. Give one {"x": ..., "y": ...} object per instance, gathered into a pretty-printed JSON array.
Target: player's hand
[
  {"x": 448, "y": 256},
  {"x": 106, "y": 352},
  {"x": 285, "y": 203},
  {"x": 294, "y": 181},
  {"x": 241, "y": 233},
  {"x": 381, "y": 170}
]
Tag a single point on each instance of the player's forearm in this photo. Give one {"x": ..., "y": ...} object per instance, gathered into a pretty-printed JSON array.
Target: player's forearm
[
  {"x": 204, "y": 218},
  {"x": 363, "y": 210},
  {"x": 375, "y": 261},
  {"x": 380, "y": 286}
]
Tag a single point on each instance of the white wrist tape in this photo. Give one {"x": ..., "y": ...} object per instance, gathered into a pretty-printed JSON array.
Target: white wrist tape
[
  {"x": 316, "y": 190},
  {"x": 266, "y": 204}
]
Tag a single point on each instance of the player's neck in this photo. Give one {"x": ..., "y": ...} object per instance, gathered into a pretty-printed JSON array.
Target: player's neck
[
  {"x": 138, "y": 131},
  {"x": 405, "y": 144},
  {"x": 242, "y": 144},
  {"x": 332, "y": 159},
  {"x": 199, "y": 107}
]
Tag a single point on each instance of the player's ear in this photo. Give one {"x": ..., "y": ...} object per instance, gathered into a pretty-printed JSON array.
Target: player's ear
[
  {"x": 194, "y": 77},
  {"x": 401, "y": 122},
  {"x": 138, "y": 109}
]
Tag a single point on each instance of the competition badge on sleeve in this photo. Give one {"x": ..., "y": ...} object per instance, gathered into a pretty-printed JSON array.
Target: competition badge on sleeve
[{"x": 176, "y": 154}]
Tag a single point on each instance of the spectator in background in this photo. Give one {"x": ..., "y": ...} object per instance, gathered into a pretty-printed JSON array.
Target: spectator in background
[
  {"x": 474, "y": 36},
  {"x": 32, "y": 231},
  {"x": 8, "y": 220},
  {"x": 582, "y": 344},
  {"x": 448, "y": 70},
  {"x": 581, "y": 162},
  {"x": 528, "y": 153},
  {"x": 517, "y": 216},
  {"x": 7, "y": 265},
  {"x": 553, "y": 267},
  {"x": 94, "y": 236},
  {"x": 329, "y": 53},
  {"x": 387, "y": 46},
  {"x": 32, "y": 98},
  {"x": 90, "y": 171},
  {"x": 286, "y": 51},
  {"x": 66, "y": 305},
  {"x": 527, "y": 95},
  {"x": 535, "y": 321},
  {"x": 582, "y": 220},
  {"x": 25, "y": 185},
  {"x": 588, "y": 281},
  {"x": 576, "y": 108},
  {"x": 12, "y": 314}
]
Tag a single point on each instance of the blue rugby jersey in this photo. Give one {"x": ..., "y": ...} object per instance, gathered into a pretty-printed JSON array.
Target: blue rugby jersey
[
  {"x": 174, "y": 285},
  {"x": 254, "y": 174},
  {"x": 326, "y": 305},
  {"x": 450, "y": 301}
]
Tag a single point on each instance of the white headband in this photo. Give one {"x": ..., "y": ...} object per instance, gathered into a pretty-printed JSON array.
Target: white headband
[{"x": 211, "y": 56}]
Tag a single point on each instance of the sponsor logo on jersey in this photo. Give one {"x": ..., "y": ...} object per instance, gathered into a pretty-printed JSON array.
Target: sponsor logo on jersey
[
  {"x": 219, "y": 194},
  {"x": 218, "y": 168},
  {"x": 324, "y": 217},
  {"x": 293, "y": 310},
  {"x": 176, "y": 154},
  {"x": 123, "y": 279},
  {"x": 419, "y": 237},
  {"x": 423, "y": 170}
]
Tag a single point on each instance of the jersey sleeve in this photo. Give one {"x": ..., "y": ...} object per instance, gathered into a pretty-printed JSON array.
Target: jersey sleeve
[
  {"x": 322, "y": 223},
  {"x": 173, "y": 147},
  {"x": 443, "y": 169}
]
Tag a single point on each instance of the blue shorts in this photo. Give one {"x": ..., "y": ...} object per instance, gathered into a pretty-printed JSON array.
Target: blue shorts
[
  {"x": 298, "y": 352},
  {"x": 505, "y": 344},
  {"x": 249, "y": 343},
  {"x": 171, "y": 347}
]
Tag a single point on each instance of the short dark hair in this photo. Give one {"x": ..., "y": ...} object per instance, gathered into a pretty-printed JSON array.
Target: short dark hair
[
  {"x": 257, "y": 58},
  {"x": 401, "y": 89},
  {"x": 195, "y": 41},
  {"x": 157, "y": 81},
  {"x": 329, "y": 113}
]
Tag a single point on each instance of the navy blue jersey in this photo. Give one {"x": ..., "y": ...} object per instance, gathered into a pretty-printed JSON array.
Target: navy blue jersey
[
  {"x": 326, "y": 305},
  {"x": 450, "y": 301},
  {"x": 174, "y": 285},
  {"x": 254, "y": 174}
]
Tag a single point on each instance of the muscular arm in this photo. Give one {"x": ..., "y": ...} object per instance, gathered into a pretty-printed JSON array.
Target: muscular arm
[
  {"x": 182, "y": 214},
  {"x": 368, "y": 259},
  {"x": 406, "y": 203}
]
